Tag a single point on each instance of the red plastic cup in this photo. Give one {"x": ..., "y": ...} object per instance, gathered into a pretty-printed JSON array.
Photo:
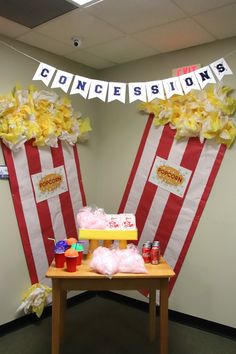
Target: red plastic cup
[
  {"x": 59, "y": 260},
  {"x": 71, "y": 263},
  {"x": 80, "y": 256},
  {"x": 71, "y": 260}
]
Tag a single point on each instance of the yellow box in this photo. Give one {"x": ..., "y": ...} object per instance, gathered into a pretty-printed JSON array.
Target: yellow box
[{"x": 107, "y": 234}]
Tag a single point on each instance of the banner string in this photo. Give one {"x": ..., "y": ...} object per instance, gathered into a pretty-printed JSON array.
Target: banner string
[
  {"x": 19, "y": 51},
  {"x": 38, "y": 61},
  {"x": 229, "y": 54}
]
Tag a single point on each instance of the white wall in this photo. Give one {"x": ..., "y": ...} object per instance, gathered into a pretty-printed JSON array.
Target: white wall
[
  {"x": 206, "y": 287},
  {"x": 18, "y": 69}
]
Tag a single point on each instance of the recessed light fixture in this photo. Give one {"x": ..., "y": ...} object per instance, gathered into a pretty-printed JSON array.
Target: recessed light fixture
[{"x": 85, "y": 2}]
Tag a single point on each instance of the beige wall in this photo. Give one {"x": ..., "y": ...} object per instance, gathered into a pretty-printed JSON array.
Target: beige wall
[
  {"x": 206, "y": 287},
  {"x": 18, "y": 69}
]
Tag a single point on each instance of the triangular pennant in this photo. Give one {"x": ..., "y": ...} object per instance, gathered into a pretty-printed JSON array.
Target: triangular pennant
[
  {"x": 98, "y": 89},
  {"x": 204, "y": 76},
  {"x": 155, "y": 90},
  {"x": 172, "y": 87},
  {"x": 137, "y": 91},
  {"x": 80, "y": 86},
  {"x": 44, "y": 73},
  {"x": 189, "y": 82},
  {"x": 62, "y": 80},
  {"x": 116, "y": 91},
  {"x": 221, "y": 68}
]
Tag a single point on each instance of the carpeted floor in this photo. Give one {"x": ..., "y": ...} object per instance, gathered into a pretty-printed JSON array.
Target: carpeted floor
[{"x": 104, "y": 326}]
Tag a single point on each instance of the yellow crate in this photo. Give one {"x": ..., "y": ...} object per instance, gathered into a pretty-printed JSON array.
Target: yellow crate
[{"x": 107, "y": 234}]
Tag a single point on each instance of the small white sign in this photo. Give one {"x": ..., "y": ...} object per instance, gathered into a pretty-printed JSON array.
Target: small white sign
[
  {"x": 49, "y": 183},
  {"x": 169, "y": 176},
  {"x": 4, "y": 172}
]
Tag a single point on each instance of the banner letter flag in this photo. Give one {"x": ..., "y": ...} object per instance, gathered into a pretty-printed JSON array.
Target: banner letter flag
[
  {"x": 54, "y": 216},
  {"x": 155, "y": 90},
  {"x": 116, "y": 91},
  {"x": 98, "y": 89},
  {"x": 172, "y": 87},
  {"x": 160, "y": 214},
  {"x": 62, "y": 80},
  {"x": 189, "y": 82},
  {"x": 204, "y": 76},
  {"x": 44, "y": 73},
  {"x": 80, "y": 86},
  {"x": 137, "y": 91},
  {"x": 220, "y": 68}
]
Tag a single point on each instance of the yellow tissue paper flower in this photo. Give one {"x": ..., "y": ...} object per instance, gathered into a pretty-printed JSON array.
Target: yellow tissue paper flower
[
  {"x": 35, "y": 299},
  {"x": 41, "y": 116},
  {"x": 84, "y": 125},
  {"x": 206, "y": 114}
]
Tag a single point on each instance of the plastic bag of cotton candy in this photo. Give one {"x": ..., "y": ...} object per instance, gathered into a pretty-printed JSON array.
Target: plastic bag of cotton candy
[
  {"x": 104, "y": 261},
  {"x": 92, "y": 218},
  {"x": 129, "y": 260},
  {"x": 110, "y": 261}
]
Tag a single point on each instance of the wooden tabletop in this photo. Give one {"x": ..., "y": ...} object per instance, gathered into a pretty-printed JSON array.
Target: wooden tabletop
[{"x": 161, "y": 270}]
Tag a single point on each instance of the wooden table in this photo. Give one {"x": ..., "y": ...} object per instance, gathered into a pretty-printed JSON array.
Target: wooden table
[{"x": 85, "y": 279}]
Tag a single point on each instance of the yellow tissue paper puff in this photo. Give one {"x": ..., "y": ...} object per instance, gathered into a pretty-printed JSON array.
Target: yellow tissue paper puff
[
  {"x": 39, "y": 115},
  {"x": 35, "y": 299},
  {"x": 207, "y": 114}
]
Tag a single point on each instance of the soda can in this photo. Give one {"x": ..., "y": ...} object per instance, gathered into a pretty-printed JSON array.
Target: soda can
[
  {"x": 155, "y": 254},
  {"x": 146, "y": 252}
]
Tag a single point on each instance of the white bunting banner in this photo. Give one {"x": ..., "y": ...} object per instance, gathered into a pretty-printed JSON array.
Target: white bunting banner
[
  {"x": 116, "y": 91},
  {"x": 80, "y": 86},
  {"x": 142, "y": 91},
  {"x": 44, "y": 73},
  {"x": 189, "y": 82},
  {"x": 205, "y": 76},
  {"x": 221, "y": 68},
  {"x": 62, "y": 80},
  {"x": 98, "y": 89},
  {"x": 172, "y": 86},
  {"x": 137, "y": 91},
  {"x": 155, "y": 90}
]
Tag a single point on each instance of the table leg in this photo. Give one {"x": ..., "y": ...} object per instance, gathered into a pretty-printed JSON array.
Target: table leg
[
  {"x": 152, "y": 314},
  {"x": 93, "y": 244},
  {"x": 122, "y": 244},
  {"x": 164, "y": 316},
  {"x": 63, "y": 314},
  {"x": 58, "y": 314}
]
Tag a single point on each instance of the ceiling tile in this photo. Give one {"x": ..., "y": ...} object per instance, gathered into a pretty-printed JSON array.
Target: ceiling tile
[
  {"x": 32, "y": 13},
  {"x": 40, "y": 41},
  {"x": 136, "y": 15},
  {"x": 176, "y": 35},
  {"x": 122, "y": 50},
  {"x": 10, "y": 28},
  {"x": 215, "y": 21},
  {"x": 193, "y": 7},
  {"x": 78, "y": 23},
  {"x": 86, "y": 58}
]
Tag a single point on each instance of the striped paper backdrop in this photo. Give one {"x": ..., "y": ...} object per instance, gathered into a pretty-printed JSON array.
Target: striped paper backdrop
[
  {"x": 161, "y": 215},
  {"x": 55, "y": 217}
]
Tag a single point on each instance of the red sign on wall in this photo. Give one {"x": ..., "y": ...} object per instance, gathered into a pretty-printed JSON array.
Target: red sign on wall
[{"x": 185, "y": 69}]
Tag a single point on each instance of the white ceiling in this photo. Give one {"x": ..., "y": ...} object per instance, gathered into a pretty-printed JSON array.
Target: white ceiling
[{"x": 119, "y": 31}]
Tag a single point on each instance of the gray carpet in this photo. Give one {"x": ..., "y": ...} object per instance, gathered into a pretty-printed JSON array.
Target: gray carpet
[{"x": 104, "y": 326}]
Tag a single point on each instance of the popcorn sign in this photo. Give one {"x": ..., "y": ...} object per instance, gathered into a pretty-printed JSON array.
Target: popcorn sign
[
  {"x": 169, "y": 176},
  {"x": 49, "y": 183}
]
